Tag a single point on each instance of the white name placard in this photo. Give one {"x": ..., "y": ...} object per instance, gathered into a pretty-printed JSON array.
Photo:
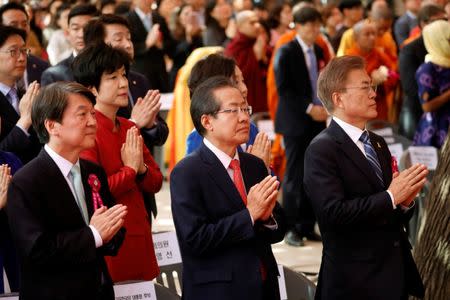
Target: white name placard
[
  {"x": 166, "y": 247},
  {"x": 135, "y": 291},
  {"x": 426, "y": 155},
  {"x": 396, "y": 150},
  {"x": 384, "y": 131},
  {"x": 10, "y": 298},
  {"x": 166, "y": 101},
  {"x": 282, "y": 283},
  {"x": 267, "y": 127}
]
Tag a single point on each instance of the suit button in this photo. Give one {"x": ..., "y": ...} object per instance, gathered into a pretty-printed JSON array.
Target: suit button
[{"x": 396, "y": 244}]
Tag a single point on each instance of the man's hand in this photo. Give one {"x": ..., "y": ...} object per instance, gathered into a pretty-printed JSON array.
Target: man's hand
[
  {"x": 146, "y": 110},
  {"x": 25, "y": 105},
  {"x": 405, "y": 185},
  {"x": 259, "y": 48},
  {"x": 261, "y": 198},
  {"x": 318, "y": 113},
  {"x": 132, "y": 152},
  {"x": 5, "y": 179},
  {"x": 261, "y": 148},
  {"x": 108, "y": 221},
  {"x": 154, "y": 37}
]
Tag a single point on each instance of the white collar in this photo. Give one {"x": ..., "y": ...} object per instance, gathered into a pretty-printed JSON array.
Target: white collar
[
  {"x": 224, "y": 158},
  {"x": 4, "y": 89},
  {"x": 352, "y": 131},
  {"x": 304, "y": 46},
  {"x": 142, "y": 15},
  {"x": 411, "y": 14},
  {"x": 63, "y": 164}
]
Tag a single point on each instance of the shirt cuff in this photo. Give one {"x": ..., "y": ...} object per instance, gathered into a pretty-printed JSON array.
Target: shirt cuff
[
  {"x": 251, "y": 218},
  {"x": 97, "y": 237},
  {"x": 392, "y": 199},
  {"x": 23, "y": 129},
  {"x": 271, "y": 223},
  {"x": 406, "y": 208},
  {"x": 309, "y": 108}
]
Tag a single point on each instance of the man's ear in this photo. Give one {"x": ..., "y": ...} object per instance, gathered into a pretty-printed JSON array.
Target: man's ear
[
  {"x": 94, "y": 91},
  {"x": 206, "y": 122},
  {"x": 337, "y": 100},
  {"x": 52, "y": 127}
]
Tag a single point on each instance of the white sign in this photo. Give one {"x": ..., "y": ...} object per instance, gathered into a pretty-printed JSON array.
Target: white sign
[
  {"x": 267, "y": 127},
  {"x": 282, "y": 283},
  {"x": 166, "y": 101},
  {"x": 10, "y": 298},
  {"x": 384, "y": 131},
  {"x": 166, "y": 247},
  {"x": 426, "y": 155},
  {"x": 396, "y": 151},
  {"x": 132, "y": 291}
]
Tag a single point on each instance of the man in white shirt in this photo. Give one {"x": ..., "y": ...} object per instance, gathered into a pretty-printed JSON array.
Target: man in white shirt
[
  {"x": 61, "y": 212},
  {"x": 360, "y": 199}
]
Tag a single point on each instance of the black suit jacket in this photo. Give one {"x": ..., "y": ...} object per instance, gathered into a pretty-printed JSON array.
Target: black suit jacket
[
  {"x": 61, "y": 72},
  {"x": 150, "y": 62},
  {"x": 57, "y": 249},
  {"x": 220, "y": 247},
  {"x": 35, "y": 68},
  {"x": 366, "y": 253},
  {"x": 12, "y": 138},
  {"x": 294, "y": 91},
  {"x": 410, "y": 58}
]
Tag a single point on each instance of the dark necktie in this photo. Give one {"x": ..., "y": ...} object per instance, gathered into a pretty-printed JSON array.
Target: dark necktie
[{"x": 371, "y": 155}]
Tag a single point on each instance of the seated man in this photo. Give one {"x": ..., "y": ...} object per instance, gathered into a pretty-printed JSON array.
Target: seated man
[
  {"x": 224, "y": 204},
  {"x": 58, "y": 204}
]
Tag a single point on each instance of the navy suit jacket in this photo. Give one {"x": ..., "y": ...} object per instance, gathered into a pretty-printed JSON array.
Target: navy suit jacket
[
  {"x": 294, "y": 91},
  {"x": 403, "y": 27},
  {"x": 150, "y": 62},
  {"x": 12, "y": 138},
  {"x": 60, "y": 72},
  {"x": 366, "y": 252},
  {"x": 220, "y": 248},
  {"x": 57, "y": 249},
  {"x": 35, "y": 68}
]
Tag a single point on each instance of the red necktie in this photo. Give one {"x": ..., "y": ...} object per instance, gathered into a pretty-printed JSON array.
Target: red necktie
[{"x": 238, "y": 181}]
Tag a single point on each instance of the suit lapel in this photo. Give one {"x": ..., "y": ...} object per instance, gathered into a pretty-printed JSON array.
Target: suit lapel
[
  {"x": 60, "y": 186},
  {"x": 87, "y": 188},
  {"x": 7, "y": 111},
  {"x": 382, "y": 158},
  {"x": 220, "y": 176},
  {"x": 354, "y": 153}
]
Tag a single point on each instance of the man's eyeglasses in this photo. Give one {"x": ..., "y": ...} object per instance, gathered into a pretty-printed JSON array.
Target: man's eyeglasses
[
  {"x": 366, "y": 88},
  {"x": 16, "y": 52},
  {"x": 235, "y": 111}
]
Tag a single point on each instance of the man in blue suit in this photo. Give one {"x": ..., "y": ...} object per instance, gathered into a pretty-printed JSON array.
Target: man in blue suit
[
  {"x": 224, "y": 204},
  {"x": 360, "y": 199}
]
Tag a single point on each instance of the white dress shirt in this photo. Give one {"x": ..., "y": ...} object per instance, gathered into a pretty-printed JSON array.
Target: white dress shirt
[{"x": 65, "y": 166}]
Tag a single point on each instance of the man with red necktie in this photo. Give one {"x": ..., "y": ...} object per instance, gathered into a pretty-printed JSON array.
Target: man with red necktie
[{"x": 224, "y": 204}]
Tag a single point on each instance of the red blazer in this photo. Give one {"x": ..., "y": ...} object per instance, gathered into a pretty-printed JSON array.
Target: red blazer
[{"x": 136, "y": 259}]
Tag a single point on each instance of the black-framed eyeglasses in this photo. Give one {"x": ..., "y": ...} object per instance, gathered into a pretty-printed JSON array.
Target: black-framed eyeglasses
[
  {"x": 16, "y": 52},
  {"x": 366, "y": 88},
  {"x": 235, "y": 111}
]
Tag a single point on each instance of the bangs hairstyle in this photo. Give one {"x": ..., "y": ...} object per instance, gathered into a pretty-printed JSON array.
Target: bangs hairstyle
[{"x": 95, "y": 60}]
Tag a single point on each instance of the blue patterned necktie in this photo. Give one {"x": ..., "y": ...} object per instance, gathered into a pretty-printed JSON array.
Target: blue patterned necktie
[
  {"x": 313, "y": 75},
  {"x": 371, "y": 155}
]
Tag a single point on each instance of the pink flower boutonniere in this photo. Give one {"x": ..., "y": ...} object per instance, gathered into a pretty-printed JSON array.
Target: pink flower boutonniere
[
  {"x": 394, "y": 164},
  {"x": 95, "y": 184},
  {"x": 321, "y": 64}
]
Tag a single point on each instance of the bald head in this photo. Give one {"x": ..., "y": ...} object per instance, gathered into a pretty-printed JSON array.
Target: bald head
[
  {"x": 365, "y": 35},
  {"x": 247, "y": 23}
]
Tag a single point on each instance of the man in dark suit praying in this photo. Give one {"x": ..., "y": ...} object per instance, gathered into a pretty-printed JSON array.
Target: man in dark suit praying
[
  {"x": 224, "y": 204},
  {"x": 360, "y": 199},
  {"x": 61, "y": 212}
]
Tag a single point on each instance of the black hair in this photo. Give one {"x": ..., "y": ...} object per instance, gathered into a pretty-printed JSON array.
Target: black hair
[
  {"x": 349, "y": 4},
  {"x": 95, "y": 32},
  {"x": 213, "y": 65},
  {"x": 307, "y": 14},
  {"x": 8, "y": 31},
  {"x": 89, "y": 66},
  {"x": 82, "y": 10},
  {"x": 11, "y": 6}
]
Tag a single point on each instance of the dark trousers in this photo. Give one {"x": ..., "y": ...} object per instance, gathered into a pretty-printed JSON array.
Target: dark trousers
[
  {"x": 10, "y": 262},
  {"x": 298, "y": 209}
]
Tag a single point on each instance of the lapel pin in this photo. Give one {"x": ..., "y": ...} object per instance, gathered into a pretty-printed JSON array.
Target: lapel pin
[
  {"x": 378, "y": 144},
  {"x": 134, "y": 82}
]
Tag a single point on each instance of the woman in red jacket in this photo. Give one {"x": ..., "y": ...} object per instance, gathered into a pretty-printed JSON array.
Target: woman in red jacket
[{"x": 121, "y": 152}]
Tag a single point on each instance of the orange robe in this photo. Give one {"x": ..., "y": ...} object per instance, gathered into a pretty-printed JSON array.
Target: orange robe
[{"x": 374, "y": 59}]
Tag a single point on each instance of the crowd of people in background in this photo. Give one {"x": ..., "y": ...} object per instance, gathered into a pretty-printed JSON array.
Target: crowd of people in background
[{"x": 120, "y": 56}]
